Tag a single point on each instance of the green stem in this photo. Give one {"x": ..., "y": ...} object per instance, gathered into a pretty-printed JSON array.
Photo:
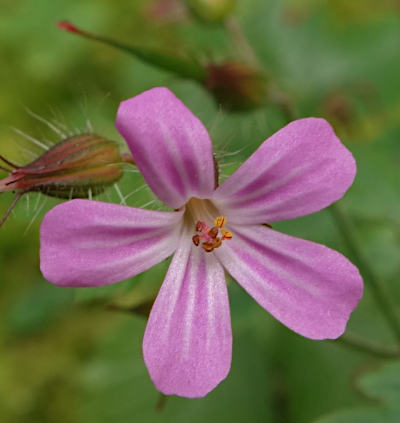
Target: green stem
[
  {"x": 345, "y": 227},
  {"x": 184, "y": 68},
  {"x": 277, "y": 97},
  {"x": 162, "y": 400},
  {"x": 240, "y": 40},
  {"x": 368, "y": 347}
]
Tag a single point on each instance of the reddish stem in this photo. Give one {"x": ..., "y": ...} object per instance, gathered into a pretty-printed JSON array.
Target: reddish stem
[
  {"x": 68, "y": 26},
  {"x": 12, "y": 205},
  {"x": 8, "y": 162},
  {"x": 5, "y": 169}
]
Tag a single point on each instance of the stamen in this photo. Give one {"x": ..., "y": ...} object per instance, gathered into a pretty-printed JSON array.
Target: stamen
[
  {"x": 208, "y": 247},
  {"x": 211, "y": 238},
  {"x": 199, "y": 226},
  {"x": 220, "y": 221},
  {"x": 226, "y": 234},
  {"x": 196, "y": 240}
]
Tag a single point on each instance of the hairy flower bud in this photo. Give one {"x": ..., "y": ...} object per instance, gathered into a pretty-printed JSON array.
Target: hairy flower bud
[
  {"x": 79, "y": 166},
  {"x": 211, "y": 11},
  {"x": 236, "y": 85}
]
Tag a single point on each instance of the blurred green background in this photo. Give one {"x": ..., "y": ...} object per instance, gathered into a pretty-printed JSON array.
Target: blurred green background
[{"x": 72, "y": 356}]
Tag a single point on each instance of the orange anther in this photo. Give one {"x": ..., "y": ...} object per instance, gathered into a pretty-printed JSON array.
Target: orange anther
[
  {"x": 213, "y": 232},
  {"x": 211, "y": 238},
  {"x": 220, "y": 221},
  {"x": 226, "y": 234},
  {"x": 196, "y": 240},
  {"x": 217, "y": 242},
  {"x": 207, "y": 247}
]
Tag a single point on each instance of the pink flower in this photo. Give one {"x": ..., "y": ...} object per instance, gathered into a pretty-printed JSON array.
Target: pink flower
[{"x": 188, "y": 341}]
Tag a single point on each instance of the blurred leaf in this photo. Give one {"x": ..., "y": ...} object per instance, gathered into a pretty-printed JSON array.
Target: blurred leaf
[
  {"x": 129, "y": 293},
  {"x": 117, "y": 386},
  {"x": 37, "y": 308},
  {"x": 383, "y": 386}
]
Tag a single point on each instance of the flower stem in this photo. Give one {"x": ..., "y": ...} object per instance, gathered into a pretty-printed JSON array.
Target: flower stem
[
  {"x": 276, "y": 96},
  {"x": 162, "y": 400},
  {"x": 241, "y": 42},
  {"x": 12, "y": 165},
  {"x": 12, "y": 205},
  {"x": 368, "y": 347},
  {"x": 127, "y": 158},
  {"x": 345, "y": 227},
  {"x": 184, "y": 68}
]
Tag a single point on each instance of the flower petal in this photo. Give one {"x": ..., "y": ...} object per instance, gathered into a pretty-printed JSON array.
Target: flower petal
[
  {"x": 170, "y": 146},
  {"x": 89, "y": 243},
  {"x": 308, "y": 287},
  {"x": 299, "y": 170},
  {"x": 187, "y": 344}
]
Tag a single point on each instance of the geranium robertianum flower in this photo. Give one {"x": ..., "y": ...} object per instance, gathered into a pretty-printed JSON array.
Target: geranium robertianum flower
[{"x": 187, "y": 343}]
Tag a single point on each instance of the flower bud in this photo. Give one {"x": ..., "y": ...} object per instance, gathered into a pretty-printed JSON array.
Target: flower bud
[
  {"x": 211, "y": 11},
  {"x": 237, "y": 86},
  {"x": 70, "y": 169},
  {"x": 80, "y": 166}
]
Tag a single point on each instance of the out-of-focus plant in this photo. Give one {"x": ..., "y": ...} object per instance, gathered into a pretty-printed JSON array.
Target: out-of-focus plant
[
  {"x": 211, "y": 11},
  {"x": 234, "y": 85}
]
